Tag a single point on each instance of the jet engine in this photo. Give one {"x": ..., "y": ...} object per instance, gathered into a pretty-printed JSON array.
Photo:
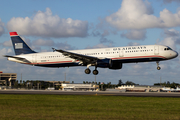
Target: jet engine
[
  {"x": 115, "y": 65},
  {"x": 109, "y": 63}
]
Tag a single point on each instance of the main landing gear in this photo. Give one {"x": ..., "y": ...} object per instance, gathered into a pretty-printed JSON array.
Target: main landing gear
[
  {"x": 158, "y": 68},
  {"x": 88, "y": 71},
  {"x": 95, "y": 72}
]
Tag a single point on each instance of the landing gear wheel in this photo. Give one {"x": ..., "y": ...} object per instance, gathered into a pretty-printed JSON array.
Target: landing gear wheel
[
  {"x": 87, "y": 71},
  {"x": 95, "y": 72},
  {"x": 158, "y": 68}
]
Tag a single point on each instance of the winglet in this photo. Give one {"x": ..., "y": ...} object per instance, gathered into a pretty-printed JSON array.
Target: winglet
[
  {"x": 54, "y": 49},
  {"x": 13, "y": 33}
]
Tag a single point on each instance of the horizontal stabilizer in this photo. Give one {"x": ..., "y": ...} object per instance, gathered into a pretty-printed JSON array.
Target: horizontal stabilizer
[{"x": 17, "y": 58}]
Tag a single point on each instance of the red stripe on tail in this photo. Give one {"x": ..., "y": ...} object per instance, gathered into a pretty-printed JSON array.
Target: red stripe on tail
[{"x": 13, "y": 33}]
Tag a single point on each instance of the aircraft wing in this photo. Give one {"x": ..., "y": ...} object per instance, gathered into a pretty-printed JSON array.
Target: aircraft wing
[
  {"x": 83, "y": 58},
  {"x": 18, "y": 58}
]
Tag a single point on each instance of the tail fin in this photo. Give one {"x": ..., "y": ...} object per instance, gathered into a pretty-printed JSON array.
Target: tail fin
[{"x": 19, "y": 45}]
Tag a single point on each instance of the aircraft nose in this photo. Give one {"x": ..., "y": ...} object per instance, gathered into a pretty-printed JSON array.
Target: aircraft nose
[{"x": 175, "y": 54}]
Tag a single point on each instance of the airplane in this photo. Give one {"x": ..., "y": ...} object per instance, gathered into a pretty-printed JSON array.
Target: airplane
[
  {"x": 112, "y": 58},
  {"x": 167, "y": 89},
  {"x": 177, "y": 89},
  {"x": 171, "y": 89}
]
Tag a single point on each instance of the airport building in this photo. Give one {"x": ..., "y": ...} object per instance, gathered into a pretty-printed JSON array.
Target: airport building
[
  {"x": 81, "y": 87},
  {"x": 57, "y": 84},
  {"x": 48, "y": 85},
  {"x": 139, "y": 88},
  {"x": 7, "y": 79}
]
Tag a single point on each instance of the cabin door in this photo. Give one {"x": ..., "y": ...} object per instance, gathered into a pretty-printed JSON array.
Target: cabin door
[
  {"x": 121, "y": 53},
  {"x": 156, "y": 50},
  {"x": 34, "y": 59}
]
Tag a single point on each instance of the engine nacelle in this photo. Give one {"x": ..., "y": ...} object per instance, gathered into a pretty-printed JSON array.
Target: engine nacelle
[
  {"x": 104, "y": 63},
  {"x": 115, "y": 65},
  {"x": 109, "y": 63}
]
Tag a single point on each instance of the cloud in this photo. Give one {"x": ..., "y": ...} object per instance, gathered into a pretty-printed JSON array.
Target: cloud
[
  {"x": 1, "y": 27},
  {"x": 138, "y": 14},
  {"x": 51, "y": 43},
  {"x": 171, "y": 32},
  {"x": 169, "y": 41},
  {"x": 169, "y": 1},
  {"x": 135, "y": 34},
  {"x": 5, "y": 51},
  {"x": 64, "y": 46},
  {"x": 48, "y": 25},
  {"x": 105, "y": 40},
  {"x": 172, "y": 38},
  {"x": 133, "y": 44},
  {"x": 99, "y": 46},
  {"x": 105, "y": 33},
  {"x": 7, "y": 43},
  {"x": 102, "y": 35},
  {"x": 96, "y": 33},
  {"x": 41, "y": 42}
]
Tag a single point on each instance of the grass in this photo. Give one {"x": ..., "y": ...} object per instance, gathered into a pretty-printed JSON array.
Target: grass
[{"x": 87, "y": 107}]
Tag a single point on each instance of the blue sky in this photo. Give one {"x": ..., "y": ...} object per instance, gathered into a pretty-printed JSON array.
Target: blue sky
[{"x": 81, "y": 24}]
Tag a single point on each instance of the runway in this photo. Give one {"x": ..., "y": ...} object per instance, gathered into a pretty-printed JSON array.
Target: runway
[{"x": 111, "y": 93}]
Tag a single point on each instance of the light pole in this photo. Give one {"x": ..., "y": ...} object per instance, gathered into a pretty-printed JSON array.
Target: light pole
[
  {"x": 95, "y": 79},
  {"x": 65, "y": 76}
]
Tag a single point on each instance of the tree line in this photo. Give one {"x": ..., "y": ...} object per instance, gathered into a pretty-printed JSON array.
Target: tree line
[{"x": 168, "y": 84}]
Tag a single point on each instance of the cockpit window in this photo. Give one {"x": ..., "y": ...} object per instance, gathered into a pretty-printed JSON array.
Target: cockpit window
[{"x": 168, "y": 48}]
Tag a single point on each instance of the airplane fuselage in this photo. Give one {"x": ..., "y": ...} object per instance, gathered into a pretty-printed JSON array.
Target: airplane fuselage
[{"x": 129, "y": 54}]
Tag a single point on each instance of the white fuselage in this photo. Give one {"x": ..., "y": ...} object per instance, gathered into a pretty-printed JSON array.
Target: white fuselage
[{"x": 129, "y": 54}]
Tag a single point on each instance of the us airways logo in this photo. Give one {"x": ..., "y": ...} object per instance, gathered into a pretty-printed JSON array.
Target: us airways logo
[
  {"x": 18, "y": 45},
  {"x": 131, "y": 48}
]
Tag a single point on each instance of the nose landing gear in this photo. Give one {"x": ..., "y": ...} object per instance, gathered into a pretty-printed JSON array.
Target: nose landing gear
[{"x": 158, "y": 68}]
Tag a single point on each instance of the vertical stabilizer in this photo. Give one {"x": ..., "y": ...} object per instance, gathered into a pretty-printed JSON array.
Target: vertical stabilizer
[{"x": 19, "y": 45}]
